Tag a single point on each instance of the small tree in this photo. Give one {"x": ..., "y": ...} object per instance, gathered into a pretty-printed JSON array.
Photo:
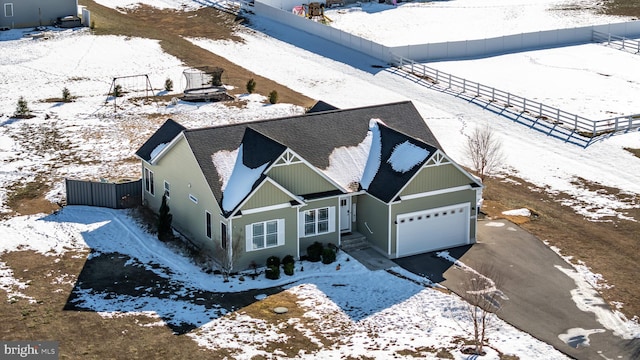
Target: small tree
[
  {"x": 216, "y": 76},
  {"x": 168, "y": 84},
  {"x": 164, "y": 221},
  {"x": 484, "y": 150},
  {"x": 251, "y": 86},
  {"x": 22, "y": 109},
  {"x": 225, "y": 258},
  {"x": 66, "y": 95},
  {"x": 484, "y": 300},
  {"x": 273, "y": 97},
  {"x": 117, "y": 90}
]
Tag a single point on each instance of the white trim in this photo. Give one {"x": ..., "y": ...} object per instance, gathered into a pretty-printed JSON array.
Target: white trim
[
  {"x": 167, "y": 189},
  {"x": 274, "y": 183},
  {"x": 331, "y": 222},
  {"x": 435, "y": 192},
  {"x": 266, "y": 208},
  {"x": 280, "y": 228},
  {"x": 151, "y": 190},
  {"x": 7, "y": 6},
  {"x": 209, "y": 224},
  {"x": 167, "y": 147},
  {"x": 313, "y": 168},
  {"x": 193, "y": 198}
]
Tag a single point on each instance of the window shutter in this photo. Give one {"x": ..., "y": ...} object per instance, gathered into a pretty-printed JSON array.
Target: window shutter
[
  {"x": 332, "y": 219},
  {"x": 249, "y": 237},
  {"x": 281, "y": 232},
  {"x": 301, "y": 224}
]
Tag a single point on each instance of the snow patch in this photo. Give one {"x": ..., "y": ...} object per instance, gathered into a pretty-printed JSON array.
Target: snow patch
[
  {"x": 406, "y": 156},
  {"x": 240, "y": 182},
  {"x": 346, "y": 164},
  {"x": 157, "y": 150},
  {"x": 224, "y": 162},
  {"x": 375, "y": 155},
  {"x": 518, "y": 212}
]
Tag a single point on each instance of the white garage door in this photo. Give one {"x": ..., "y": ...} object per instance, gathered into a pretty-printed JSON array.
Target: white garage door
[{"x": 433, "y": 229}]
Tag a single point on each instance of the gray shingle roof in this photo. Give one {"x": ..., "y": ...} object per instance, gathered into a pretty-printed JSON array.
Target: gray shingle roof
[
  {"x": 314, "y": 136},
  {"x": 167, "y": 132}
]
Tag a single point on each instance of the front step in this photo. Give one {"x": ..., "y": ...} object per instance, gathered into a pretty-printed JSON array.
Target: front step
[{"x": 353, "y": 241}]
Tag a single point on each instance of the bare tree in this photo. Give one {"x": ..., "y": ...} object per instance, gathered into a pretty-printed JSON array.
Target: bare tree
[
  {"x": 481, "y": 292},
  {"x": 226, "y": 257},
  {"x": 484, "y": 150}
]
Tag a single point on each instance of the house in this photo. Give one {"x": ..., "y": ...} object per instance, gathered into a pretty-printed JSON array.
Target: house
[
  {"x": 31, "y": 13},
  {"x": 276, "y": 186}
]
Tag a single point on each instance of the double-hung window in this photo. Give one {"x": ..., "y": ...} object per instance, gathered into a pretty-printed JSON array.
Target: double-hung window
[
  {"x": 167, "y": 189},
  {"x": 148, "y": 181},
  {"x": 266, "y": 234},
  {"x": 207, "y": 217},
  {"x": 316, "y": 221}
]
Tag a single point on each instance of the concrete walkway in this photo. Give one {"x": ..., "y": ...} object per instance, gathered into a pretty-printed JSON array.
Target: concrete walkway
[
  {"x": 539, "y": 294},
  {"x": 372, "y": 259}
]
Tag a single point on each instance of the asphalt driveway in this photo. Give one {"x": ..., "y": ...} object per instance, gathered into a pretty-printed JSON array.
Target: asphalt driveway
[{"x": 539, "y": 294}]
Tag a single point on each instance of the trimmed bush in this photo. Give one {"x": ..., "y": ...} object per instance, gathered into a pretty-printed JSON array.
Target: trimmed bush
[
  {"x": 288, "y": 260},
  {"x": 288, "y": 268},
  {"x": 328, "y": 256},
  {"x": 273, "y": 261},
  {"x": 117, "y": 91},
  {"x": 314, "y": 252},
  {"x": 251, "y": 86},
  {"x": 272, "y": 272},
  {"x": 273, "y": 97}
]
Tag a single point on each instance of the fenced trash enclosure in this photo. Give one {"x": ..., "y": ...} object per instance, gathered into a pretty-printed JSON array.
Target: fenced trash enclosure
[
  {"x": 554, "y": 116},
  {"x": 113, "y": 195}
]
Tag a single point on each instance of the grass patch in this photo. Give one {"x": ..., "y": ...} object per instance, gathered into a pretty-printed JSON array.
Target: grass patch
[
  {"x": 622, "y": 7},
  {"x": 28, "y": 198},
  {"x": 607, "y": 247},
  {"x": 171, "y": 27},
  {"x": 635, "y": 152}
]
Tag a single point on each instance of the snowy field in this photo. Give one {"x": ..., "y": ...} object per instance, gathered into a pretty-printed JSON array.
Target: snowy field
[
  {"x": 403, "y": 314},
  {"x": 438, "y": 21},
  {"x": 94, "y": 141}
]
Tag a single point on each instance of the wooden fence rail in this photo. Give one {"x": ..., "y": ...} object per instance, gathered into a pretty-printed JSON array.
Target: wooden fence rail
[{"x": 515, "y": 103}]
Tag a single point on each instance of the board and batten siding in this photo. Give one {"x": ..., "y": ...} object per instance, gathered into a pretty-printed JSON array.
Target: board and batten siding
[
  {"x": 267, "y": 195},
  {"x": 187, "y": 184},
  {"x": 290, "y": 247},
  {"x": 300, "y": 179},
  {"x": 372, "y": 218},
  {"x": 432, "y": 202},
  {"x": 432, "y": 178}
]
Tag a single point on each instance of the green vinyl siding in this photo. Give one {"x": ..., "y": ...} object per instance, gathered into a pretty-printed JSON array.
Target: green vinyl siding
[
  {"x": 372, "y": 218},
  {"x": 290, "y": 247},
  {"x": 268, "y": 194},
  {"x": 436, "y": 178},
  {"x": 431, "y": 202},
  {"x": 300, "y": 179},
  {"x": 179, "y": 168}
]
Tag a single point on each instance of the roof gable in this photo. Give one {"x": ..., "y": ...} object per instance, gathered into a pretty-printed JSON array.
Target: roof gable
[
  {"x": 160, "y": 139},
  {"x": 335, "y": 142},
  {"x": 393, "y": 160}
]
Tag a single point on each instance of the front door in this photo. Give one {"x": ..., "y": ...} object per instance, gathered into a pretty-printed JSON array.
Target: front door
[{"x": 345, "y": 214}]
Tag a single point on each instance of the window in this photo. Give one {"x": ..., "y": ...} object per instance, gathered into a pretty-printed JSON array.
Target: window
[
  {"x": 8, "y": 10},
  {"x": 263, "y": 235},
  {"x": 148, "y": 181},
  {"x": 167, "y": 188},
  {"x": 223, "y": 235},
  {"x": 318, "y": 221},
  {"x": 207, "y": 216}
]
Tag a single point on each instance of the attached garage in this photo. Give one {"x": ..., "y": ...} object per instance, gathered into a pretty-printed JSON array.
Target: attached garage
[{"x": 433, "y": 229}]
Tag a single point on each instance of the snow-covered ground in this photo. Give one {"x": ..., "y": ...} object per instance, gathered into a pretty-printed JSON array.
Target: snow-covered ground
[
  {"x": 438, "y": 21},
  {"x": 348, "y": 304},
  {"x": 92, "y": 141}
]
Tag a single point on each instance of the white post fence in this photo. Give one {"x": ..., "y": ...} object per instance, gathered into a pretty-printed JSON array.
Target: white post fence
[{"x": 526, "y": 107}]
